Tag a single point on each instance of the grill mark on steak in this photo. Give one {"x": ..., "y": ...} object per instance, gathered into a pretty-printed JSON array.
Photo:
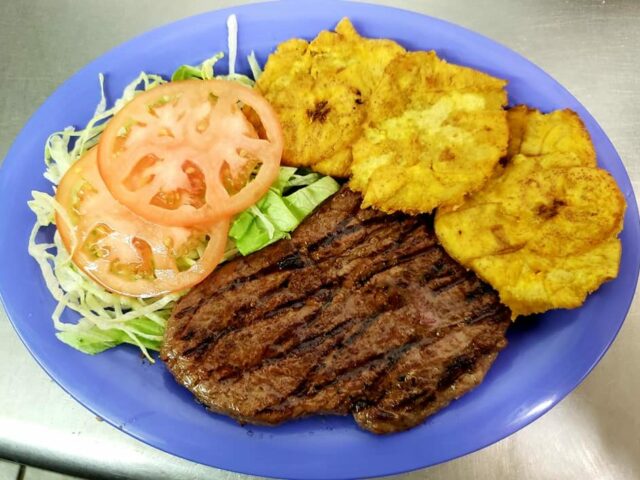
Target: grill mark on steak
[
  {"x": 391, "y": 357},
  {"x": 303, "y": 387},
  {"x": 342, "y": 243},
  {"x": 419, "y": 398},
  {"x": 294, "y": 304},
  {"x": 448, "y": 282},
  {"x": 491, "y": 312},
  {"x": 239, "y": 323},
  {"x": 242, "y": 316},
  {"x": 384, "y": 265},
  {"x": 249, "y": 310},
  {"x": 287, "y": 334},
  {"x": 455, "y": 368},
  {"x": 386, "y": 361},
  {"x": 321, "y": 342},
  {"x": 202, "y": 345},
  {"x": 236, "y": 321},
  {"x": 190, "y": 310},
  {"x": 308, "y": 342},
  {"x": 291, "y": 262},
  {"x": 359, "y": 312},
  {"x": 294, "y": 260},
  {"x": 451, "y": 372},
  {"x": 281, "y": 265}
]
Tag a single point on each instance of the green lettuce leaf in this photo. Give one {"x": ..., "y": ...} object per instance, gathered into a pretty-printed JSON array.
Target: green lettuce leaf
[
  {"x": 204, "y": 71},
  {"x": 186, "y": 72},
  {"x": 89, "y": 338},
  {"x": 293, "y": 197},
  {"x": 303, "y": 201}
]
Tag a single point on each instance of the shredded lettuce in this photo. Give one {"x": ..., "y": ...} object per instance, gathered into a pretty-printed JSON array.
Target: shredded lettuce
[
  {"x": 256, "y": 71},
  {"x": 205, "y": 71},
  {"x": 114, "y": 318},
  {"x": 63, "y": 148},
  {"x": 103, "y": 314},
  {"x": 108, "y": 319}
]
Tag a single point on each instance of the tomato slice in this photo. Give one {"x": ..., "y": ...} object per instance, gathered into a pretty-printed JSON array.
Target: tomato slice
[
  {"x": 184, "y": 153},
  {"x": 123, "y": 252}
]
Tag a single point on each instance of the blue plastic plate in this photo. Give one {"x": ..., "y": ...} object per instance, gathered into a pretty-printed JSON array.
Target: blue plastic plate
[{"x": 547, "y": 357}]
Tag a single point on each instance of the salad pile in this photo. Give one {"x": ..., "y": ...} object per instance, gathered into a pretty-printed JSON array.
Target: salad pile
[{"x": 154, "y": 192}]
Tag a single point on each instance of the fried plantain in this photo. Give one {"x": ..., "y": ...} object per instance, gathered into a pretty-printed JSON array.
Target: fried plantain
[
  {"x": 544, "y": 232},
  {"x": 534, "y": 134},
  {"x": 435, "y": 132},
  {"x": 320, "y": 90}
]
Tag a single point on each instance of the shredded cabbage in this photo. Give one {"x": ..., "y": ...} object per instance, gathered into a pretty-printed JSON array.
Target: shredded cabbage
[
  {"x": 256, "y": 71},
  {"x": 205, "y": 71},
  {"x": 108, "y": 319},
  {"x": 114, "y": 318},
  {"x": 137, "y": 321},
  {"x": 63, "y": 148},
  {"x": 232, "y": 36}
]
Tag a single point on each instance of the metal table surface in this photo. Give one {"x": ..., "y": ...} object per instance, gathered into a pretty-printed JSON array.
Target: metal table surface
[{"x": 591, "y": 47}]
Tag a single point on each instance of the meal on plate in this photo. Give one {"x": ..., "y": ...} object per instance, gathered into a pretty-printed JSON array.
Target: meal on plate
[{"x": 350, "y": 231}]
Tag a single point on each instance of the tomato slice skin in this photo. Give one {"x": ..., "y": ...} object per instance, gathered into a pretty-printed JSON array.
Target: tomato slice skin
[
  {"x": 163, "y": 155},
  {"x": 123, "y": 252}
]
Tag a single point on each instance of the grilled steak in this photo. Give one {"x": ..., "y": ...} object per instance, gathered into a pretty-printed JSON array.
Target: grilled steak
[{"x": 359, "y": 312}]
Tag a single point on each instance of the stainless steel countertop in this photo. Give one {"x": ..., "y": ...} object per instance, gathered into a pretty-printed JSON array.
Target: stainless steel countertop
[{"x": 591, "y": 47}]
